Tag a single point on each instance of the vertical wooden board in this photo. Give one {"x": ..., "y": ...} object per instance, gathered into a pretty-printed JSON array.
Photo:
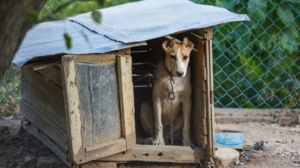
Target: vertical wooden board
[
  {"x": 48, "y": 87},
  {"x": 199, "y": 97},
  {"x": 126, "y": 100},
  {"x": 201, "y": 126},
  {"x": 103, "y": 103},
  {"x": 72, "y": 106},
  {"x": 85, "y": 102},
  {"x": 208, "y": 53},
  {"x": 56, "y": 133},
  {"x": 53, "y": 74},
  {"x": 54, "y": 147},
  {"x": 212, "y": 119}
]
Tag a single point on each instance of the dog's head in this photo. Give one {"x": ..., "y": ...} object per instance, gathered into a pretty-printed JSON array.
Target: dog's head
[{"x": 177, "y": 56}]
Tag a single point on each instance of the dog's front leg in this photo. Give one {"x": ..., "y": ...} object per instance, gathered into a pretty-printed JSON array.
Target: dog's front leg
[
  {"x": 159, "y": 140},
  {"x": 187, "y": 103}
]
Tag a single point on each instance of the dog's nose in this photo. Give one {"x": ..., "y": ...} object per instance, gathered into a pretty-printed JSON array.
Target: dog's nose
[{"x": 179, "y": 73}]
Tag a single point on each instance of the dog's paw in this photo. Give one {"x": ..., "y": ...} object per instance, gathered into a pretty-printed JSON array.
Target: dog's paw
[
  {"x": 187, "y": 142},
  {"x": 149, "y": 140},
  {"x": 159, "y": 141}
]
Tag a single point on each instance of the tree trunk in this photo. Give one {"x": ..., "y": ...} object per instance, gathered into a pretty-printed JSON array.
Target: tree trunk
[{"x": 14, "y": 23}]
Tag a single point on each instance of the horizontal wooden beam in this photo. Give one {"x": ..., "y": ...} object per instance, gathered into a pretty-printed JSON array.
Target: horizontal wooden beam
[
  {"x": 150, "y": 153},
  {"x": 105, "y": 149},
  {"x": 44, "y": 65}
]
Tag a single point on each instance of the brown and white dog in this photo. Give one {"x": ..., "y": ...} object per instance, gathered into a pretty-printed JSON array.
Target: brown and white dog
[{"x": 156, "y": 120}]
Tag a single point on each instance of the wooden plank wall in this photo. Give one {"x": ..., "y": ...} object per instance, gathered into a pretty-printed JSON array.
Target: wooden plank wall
[
  {"x": 210, "y": 96},
  {"x": 42, "y": 105},
  {"x": 60, "y": 151}
]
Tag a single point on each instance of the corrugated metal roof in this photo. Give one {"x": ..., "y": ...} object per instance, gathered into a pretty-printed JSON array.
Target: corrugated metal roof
[
  {"x": 128, "y": 23},
  {"x": 144, "y": 20},
  {"x": 48, "y": 39}
]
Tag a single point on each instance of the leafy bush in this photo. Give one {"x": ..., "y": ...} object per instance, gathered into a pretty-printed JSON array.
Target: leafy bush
[{"x": 255, "y": 63}]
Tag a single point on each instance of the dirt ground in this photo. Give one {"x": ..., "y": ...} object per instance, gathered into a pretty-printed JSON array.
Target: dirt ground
[
  {"x": 281, "y": 147},
  {"x": 281, "y": 144}
]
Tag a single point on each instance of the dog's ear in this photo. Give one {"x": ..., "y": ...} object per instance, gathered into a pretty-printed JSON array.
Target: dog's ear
[
  {"x": 168, "y": 44},
  {"x": 188, "y": 44}
]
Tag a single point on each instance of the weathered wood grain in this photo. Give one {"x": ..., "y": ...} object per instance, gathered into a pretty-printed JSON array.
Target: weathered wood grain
[
  {"x": 150, "y": 153},
  {"x": 44, "y": 65},
  {"x": 126, "y": 98},
  {"x": 72, "y": 107},
  {"x": 44, "y": 104},
  {"x": 53, "y": 74},
  {"x": 44, "y": 124},
  {"x": 212, "y": 129},
  {"x": 105, "y": 149},
  {"x": 46, "y": 86},
  {"x": 83, "y": 82},
  {"x": 96, "y": 58},
  {"x": 54, "y": 147},
  {"x": 99, "y": 101},
  {"x": 210, "y": 122}
]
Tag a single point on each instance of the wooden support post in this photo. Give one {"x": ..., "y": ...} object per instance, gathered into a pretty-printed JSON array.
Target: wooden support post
[
  {"x": 72, "y": 109},
  {"x": 210, "y": 100},
  {"x": 150, "y": 153},
  {"x": 126, "y": 100}
]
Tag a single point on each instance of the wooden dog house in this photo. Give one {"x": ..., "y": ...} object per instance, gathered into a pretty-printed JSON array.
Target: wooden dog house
[{"x": 84, "y": 105}]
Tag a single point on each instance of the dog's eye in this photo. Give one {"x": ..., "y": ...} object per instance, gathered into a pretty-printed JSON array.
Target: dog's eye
[
  {"x": 173, "y": 57},
  {"x": 185, "y": 57}
]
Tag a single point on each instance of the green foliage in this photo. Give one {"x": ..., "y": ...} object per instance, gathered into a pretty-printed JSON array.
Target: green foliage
[
  {"x": 77, "y": 7},
  {"x": 33, "y": 15},
  {"x": 96, "y": 16},
  {"x": 10, "y": 90},
  {"x": 68, "y": 40},
  {"x": 255, "y": 62}
]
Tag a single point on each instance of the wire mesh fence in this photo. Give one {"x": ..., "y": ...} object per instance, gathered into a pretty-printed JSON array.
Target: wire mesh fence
[{"x": 256, "y": 63}]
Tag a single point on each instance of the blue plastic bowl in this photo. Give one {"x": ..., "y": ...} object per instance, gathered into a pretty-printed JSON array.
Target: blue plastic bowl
[{"x": 230, "y": 139}]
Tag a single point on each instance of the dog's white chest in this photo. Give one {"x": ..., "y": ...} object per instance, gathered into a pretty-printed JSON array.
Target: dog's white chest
[{"x": 178, "y": 85}]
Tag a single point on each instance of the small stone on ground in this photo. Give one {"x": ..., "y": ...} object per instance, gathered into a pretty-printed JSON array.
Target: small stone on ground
[{"x": 226, "y": 157}]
